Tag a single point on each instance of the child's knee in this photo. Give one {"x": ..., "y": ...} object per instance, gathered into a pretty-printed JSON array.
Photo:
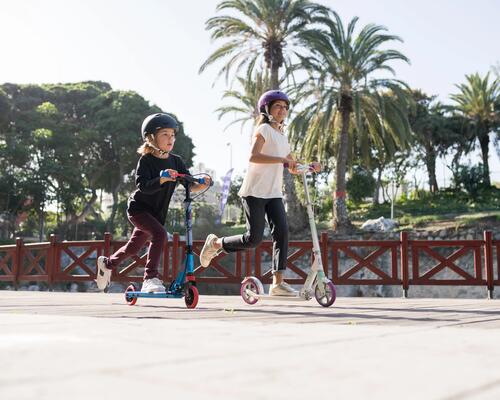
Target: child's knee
[
  {"x": 253, "y": 240},
  {"x": 159, "y": 235}
]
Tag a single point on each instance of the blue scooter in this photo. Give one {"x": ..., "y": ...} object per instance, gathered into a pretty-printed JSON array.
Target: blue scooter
[{"x": 185, "y": 284}]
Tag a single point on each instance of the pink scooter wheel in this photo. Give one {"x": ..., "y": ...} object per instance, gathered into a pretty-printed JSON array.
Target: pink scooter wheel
[
  {"x": 328, "y": 298},
  {"x": 250, "y": 285}
]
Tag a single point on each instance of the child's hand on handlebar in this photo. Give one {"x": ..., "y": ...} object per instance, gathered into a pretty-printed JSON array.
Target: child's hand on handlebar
[
  {"x": 291, "y": 164},
  {"x": 208, "y": 181},
  {"x": 168, "y": 175},
  {"x": 316, "y": 166}
]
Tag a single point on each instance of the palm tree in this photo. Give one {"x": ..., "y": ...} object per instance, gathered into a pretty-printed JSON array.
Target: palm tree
[
  {"x": 346, "y": 98},
  {"x": 263, "y": 32},
  {"x": 260, "y": 37},
  {"x": 243, "y": 101},
  {"x": 479, "y": 102}
]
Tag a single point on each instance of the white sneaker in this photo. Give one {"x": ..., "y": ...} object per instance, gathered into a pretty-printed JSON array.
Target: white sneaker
[
  {"x": 282, "y": 289},
  {"x": 209, "y": 251},
  {"x": 103, "y": 275},
  {"x": 153, "y": 285}
]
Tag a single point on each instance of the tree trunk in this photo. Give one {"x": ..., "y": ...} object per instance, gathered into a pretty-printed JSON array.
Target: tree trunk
[
  {"x": 378, "y": 184},
  {"x": 430, "y": 162},
  {"x": 111, "y": 221},
  {"x": 340, "y": 216},
  {"x": 484, "y": 141},
  {"x": 41, "y": 225}
]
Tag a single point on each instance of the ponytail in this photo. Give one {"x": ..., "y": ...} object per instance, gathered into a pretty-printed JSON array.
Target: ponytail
[{"x": 147, "y": 147}]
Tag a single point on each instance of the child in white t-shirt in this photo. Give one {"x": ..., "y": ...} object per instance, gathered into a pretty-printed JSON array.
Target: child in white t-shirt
[{"x": 261, "y": 192}]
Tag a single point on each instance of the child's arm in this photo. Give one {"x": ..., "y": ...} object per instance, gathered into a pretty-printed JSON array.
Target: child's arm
[
  {"x": 257, "y": 157},
  {"x": 144, "y": 179}
]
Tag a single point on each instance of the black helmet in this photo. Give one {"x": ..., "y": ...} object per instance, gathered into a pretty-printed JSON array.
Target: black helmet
[{"x": 157, "y": 121}]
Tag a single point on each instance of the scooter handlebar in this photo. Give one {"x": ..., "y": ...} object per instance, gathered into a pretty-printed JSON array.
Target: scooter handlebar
[
  {"x": 302, "y": 167},
  {"x": 184, "y": 177}
]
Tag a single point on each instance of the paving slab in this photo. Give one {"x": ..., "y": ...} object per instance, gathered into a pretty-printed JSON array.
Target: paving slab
[{"x": 91, "y": 345}]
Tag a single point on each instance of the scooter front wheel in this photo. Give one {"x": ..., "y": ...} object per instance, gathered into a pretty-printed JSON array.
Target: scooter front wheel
[
  {"x": 131, "y": 300},
  {"x": 250, "y": 284},
  {"x": 327, "y": 298},
  {"x": 191, "y": 297}
]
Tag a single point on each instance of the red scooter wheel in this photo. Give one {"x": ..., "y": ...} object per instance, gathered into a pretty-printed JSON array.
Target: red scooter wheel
[
  {"x": 129, "y": 299},
  {"x": 191, "y": 297}
]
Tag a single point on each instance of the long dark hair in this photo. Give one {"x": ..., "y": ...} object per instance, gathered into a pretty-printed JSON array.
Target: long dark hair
[{"x": 263, "y": 119}]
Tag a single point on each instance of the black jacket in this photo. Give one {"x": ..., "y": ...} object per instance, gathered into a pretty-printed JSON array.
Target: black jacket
[{"x": 150, "y": 196}]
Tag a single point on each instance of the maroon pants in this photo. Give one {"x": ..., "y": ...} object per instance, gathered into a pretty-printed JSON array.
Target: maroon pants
[{"x": 145, "y": 227}]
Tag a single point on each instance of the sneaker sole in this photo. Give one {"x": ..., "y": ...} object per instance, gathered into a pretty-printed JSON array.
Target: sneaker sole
[{"x": 103, "y": 273}]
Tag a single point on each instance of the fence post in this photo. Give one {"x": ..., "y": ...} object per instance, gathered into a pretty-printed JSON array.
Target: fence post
[
  {"x": 108, "y": 237},
  {"x": 404, "y": 262},
  {"x": 51, "y": 261},
  {"x": 18, "y": 260},
  {"x": 488, "y": 262},
  {"x": 323, "y": 244}
]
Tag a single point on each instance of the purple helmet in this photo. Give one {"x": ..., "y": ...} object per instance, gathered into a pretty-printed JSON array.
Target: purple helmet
[{"x": 268, "y": 97}]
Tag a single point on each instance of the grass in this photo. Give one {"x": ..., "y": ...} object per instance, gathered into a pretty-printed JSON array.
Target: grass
[{"x": 451, "y": 207}]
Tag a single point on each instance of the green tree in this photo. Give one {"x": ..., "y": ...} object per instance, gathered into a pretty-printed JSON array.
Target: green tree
[
  {"x": 479, "y": 101},
  {"x": 63, "y": 143},
  {"x": 435, "y": 132},
  {"x": 361, "y": 184},
  {"x": 347, "y": 95}
]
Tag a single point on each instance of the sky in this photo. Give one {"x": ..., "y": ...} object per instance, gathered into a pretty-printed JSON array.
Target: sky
[{"x": 156, "y": 47}]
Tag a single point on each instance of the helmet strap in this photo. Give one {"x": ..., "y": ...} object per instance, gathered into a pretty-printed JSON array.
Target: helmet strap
[
  {"x": 281, "y": 124},
  {"x": 153, "y": 145}
]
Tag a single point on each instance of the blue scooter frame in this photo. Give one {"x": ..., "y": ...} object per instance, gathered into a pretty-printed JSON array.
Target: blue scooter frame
[{"x": 184, "y": 284}]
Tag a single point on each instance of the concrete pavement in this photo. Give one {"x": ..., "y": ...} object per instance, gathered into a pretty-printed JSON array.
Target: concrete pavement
[{"x": 89, "y": 345}]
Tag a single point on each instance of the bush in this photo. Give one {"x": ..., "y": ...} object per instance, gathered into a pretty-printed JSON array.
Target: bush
[
  {"x": 470, "y": 179},
  {"x": 360, "y": 185}
]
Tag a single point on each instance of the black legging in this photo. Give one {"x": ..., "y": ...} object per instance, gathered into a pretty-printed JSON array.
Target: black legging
[{"x": 256, "y": 211}]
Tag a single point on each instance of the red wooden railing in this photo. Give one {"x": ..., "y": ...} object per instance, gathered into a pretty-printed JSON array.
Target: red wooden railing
[{"x": 346, "y": 262}]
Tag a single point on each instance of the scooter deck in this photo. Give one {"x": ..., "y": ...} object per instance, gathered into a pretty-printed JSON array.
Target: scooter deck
[
  {"x": 156, "y": 295},
  {"x": 269, "y": 297}
]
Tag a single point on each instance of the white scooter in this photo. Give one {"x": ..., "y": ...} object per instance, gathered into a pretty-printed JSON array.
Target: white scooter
[{"x": 316, "y": 284}]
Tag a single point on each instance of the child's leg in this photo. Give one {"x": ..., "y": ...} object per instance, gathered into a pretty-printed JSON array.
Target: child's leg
[
  {"x": 255, "y": 215},
  {"x": 255, "y": 222},
  {"x": 132, "y": 247},
  {"x": 276, "y": 216},
  {"x": 148, "y": 224}
]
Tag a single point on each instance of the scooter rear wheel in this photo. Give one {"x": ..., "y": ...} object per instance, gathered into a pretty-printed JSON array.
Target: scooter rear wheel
[
  {"x": 192, "y": 295},
  {"x": 249, "y": 284},
  {"x": 129, "y": 299},
  {"x": 329, "y": 297}
]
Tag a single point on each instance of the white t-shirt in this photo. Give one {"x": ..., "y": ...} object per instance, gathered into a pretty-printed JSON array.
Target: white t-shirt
[{"x": 266, "y": 180}]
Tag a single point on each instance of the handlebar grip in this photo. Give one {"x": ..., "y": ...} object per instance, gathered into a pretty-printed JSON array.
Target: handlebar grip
[
  {"x": 166, "y": 174},
  {"x": 203, "y": 181}
]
